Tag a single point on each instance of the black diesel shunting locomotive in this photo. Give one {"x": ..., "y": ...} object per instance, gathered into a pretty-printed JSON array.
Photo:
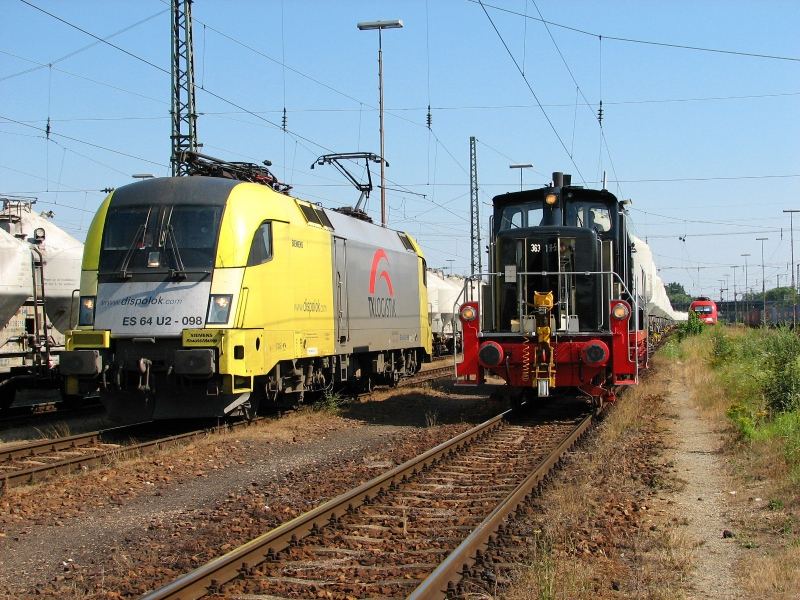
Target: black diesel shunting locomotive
[{"x": 564, "y": 307}]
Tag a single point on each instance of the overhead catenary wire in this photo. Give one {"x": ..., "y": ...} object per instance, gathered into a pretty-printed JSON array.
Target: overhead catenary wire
[
  {"x": 297, "y": 136},
  {"x": 85, "y": 78},
  {"x": 82, "y": 48},
  {"x": 167, "y": 72},
  {"x": 533, "y": 93},
  {"x": 434, "y": 183},
  {"x": 80, "y": 141},
  {"x": 599, "y": 116},
  {"x": 639, "y": 41}
]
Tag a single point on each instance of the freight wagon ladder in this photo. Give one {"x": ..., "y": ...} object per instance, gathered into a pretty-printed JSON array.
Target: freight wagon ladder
[{"x": 40, "y": 335}]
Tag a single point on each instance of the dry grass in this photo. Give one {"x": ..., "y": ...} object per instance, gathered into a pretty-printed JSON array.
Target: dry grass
[
  {"x": 548, "y": 578},
  {"x": 776, "y": 576},
  {"x": 708, "y": 395},
  {"x": 587, "y": 546}
]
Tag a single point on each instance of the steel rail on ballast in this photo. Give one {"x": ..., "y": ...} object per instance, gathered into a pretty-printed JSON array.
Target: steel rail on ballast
[
  {"x": 76, "y": 442},
  {"x": 212, "y": 575},
  {"x": 423, "y": 376},
  {"x": 40, "y": 447},
  {"x": 444, "y": 579},
  {"x": 84, "y": 441}
]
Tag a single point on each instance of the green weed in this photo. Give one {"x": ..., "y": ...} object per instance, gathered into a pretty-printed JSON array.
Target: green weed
[
  {"x": 692, "y": 326},
  {"x": 331, "y": 402}
]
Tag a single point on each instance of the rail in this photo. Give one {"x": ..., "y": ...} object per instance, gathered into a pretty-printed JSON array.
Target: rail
[
  {"x": 443, "y": 581},
  {"x": 97, "y": 452},
  {"x": 213, "y": 574},
  {"x": 94, "y": 451},
  {"x": 210, "y": 578}
]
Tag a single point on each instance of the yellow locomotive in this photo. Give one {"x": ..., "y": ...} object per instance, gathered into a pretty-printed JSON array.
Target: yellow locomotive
[{"x": 207, "y": 296}]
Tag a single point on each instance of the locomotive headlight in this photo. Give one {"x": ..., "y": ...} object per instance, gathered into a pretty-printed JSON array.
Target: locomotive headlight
[
  {"x": 468, "y": 313},
  {"x": 86, "y": 310},
  {"x": 219, "y": 308},
  {"x": 620, "y": 311},
  {"x": 550, "y": 199}
]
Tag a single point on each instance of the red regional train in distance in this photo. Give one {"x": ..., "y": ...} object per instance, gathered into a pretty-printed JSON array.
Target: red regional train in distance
[
  {"x": 564, "y": 309},
  {"x": 705, "y": 309}
]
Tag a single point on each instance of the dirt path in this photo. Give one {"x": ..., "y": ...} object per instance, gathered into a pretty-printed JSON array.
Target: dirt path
[{"x": 703, "y": 505}]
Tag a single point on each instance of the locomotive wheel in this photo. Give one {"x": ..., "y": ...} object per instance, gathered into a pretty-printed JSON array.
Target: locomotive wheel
[
  {"x": 368, "y": 385},
  {"x": 7, "y": 394}
]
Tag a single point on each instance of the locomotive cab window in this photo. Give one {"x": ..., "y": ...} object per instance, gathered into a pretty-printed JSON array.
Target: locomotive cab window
[
  {"x": 589, "y": 215},
  {"x": 261, "y": 248},
  {"x": 148, "y": 238},
  {"x": 521, "y": 215},
  {"x": 122, "y": 227},
  {"x": 193, "y": 230}
]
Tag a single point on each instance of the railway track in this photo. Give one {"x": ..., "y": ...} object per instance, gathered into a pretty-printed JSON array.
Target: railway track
[
  {"x": 30, "y": 462},
  {"x": 413, "y": 531},
  {"x": 427, "y": 375}
]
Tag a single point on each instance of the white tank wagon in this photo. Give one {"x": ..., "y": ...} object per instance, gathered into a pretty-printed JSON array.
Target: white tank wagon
[
  {"x": 16, "y": 279},
  {"x": 61, "y": 256},
  {"x": 445, "y": 294},
  {"x": 435, "y": 280},
  {"x": 651, "y": 284},
  {"x": 39, "y": 271},
  {"x": 448, "y": 297},
  {"x": 451, "y": 295}
]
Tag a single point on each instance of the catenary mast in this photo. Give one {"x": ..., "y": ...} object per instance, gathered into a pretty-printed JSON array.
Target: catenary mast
[
  {"x": 184, "y": 116},
  {"x": 474, "y": 213}
]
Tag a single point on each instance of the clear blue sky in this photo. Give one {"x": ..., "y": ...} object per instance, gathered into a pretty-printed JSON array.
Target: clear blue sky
[{"x": 672, "y": 116}]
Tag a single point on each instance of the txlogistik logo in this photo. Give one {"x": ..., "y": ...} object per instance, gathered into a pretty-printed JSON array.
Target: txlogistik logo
[{"x": 381, "y": 307}]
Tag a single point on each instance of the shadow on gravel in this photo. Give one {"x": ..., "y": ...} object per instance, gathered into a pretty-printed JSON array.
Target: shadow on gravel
[{"x": 438, "y": 404}]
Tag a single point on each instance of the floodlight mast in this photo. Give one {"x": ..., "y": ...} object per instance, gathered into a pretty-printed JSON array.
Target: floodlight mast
[
  {"x": 381, "y": 25},
  {"x": 520, "y": 167}
]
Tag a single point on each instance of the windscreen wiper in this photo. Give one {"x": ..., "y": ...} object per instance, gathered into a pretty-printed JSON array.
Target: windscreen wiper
[
  {"x": 139, "y": 235},
  {"x": 179, "y": 271}
]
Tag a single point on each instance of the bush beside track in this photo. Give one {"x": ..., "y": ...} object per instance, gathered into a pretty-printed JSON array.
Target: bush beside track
[{"x": 756, "y": 375}]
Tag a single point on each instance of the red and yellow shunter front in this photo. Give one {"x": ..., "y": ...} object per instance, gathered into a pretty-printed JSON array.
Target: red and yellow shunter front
[
  {"x": 563, "y": 308},
  {"x": 593, "y": 365}
]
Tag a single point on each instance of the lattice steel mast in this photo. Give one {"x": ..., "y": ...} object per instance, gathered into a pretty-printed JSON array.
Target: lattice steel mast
[
  {"x": 184, "y": 117},
  {"x": 474, "y": 213}
]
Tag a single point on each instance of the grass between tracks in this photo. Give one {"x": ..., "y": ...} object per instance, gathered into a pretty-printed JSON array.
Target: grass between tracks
[
  {"x": 594, "y": 536},
  {"x": 749, "y": 380}
]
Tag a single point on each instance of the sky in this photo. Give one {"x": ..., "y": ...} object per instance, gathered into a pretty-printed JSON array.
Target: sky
[{"x": 700, "y": 128}]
